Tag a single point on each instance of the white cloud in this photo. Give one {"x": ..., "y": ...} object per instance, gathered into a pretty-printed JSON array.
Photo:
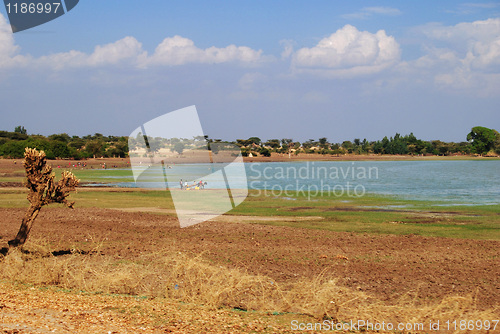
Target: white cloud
[
  {"x": 486, "y": 56},
  {"x": 349, "y": 52},
  {"x": 383, "y": 10},
  {"x": 470, "y": 8},
  {"x": 124, "y": 50},
  {"x": 8, "y": 49},
  {"x": 287, "y": 45},
  {"x": 113, "y": 53},
  {"x": 464, "y": 57},
  {"x": 252, "y": 81},
  {"x": 476, "y": 44},
  {"x": 171, "y": 51},
  {"x": 367, "y": 12},
  {"x": 7, "y": 46},
  {"x": 179, "y": 50},
  {"x": 465, "y": 33}
]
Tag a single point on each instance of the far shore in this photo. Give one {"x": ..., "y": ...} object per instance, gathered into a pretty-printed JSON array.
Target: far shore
[
  {"x": 277, "y": 157},
  {"x": 8, "y": 166}
]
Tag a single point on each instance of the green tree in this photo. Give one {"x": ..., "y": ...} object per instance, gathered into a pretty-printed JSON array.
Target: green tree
[
  {"x": 286, "y": 146},
  {"x": 63, "y": 137},
  {"x": 179, "y": 147},
  {"x": 118, "y": 149},
  {"x": 242, "y": 142},
  {"x": 285, "y": 142},
  {"x": 365, "y": 146},
  {"x": 399, "y": 145},
  {"x": 13, "y": 135},
  {"x": 323, "y": 143},
  {"x": 155, "y": 144},
  {"x": 42, "y": 144},
  {"x": 255, "y": 140},
  {"x": 60, "y": 149},
  {"x": 348, "y": 146},
  {"x": 483, "y": 139},
  {"x": 76, "y": 143},
  {"x": 274, "y": 143},
  {"x": 13, "y": 149},
  {"x": 20, "y": 129},
  {"x": 308, "y": 144},
  {"x": 94, "y": 147},
  {"x": 265, "y": 152},
  {"x": 378, "y": 148}
]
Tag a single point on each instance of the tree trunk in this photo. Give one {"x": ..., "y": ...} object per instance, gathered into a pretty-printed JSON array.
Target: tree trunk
[{"x": 25, "y": 228}]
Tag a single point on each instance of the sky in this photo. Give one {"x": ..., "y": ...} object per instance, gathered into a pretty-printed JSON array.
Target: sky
[{"x": 271, "y": 69}]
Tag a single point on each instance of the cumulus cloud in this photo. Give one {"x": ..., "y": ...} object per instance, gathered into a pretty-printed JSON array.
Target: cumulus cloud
[
  {"x": 464, "y": 56},
  {"x": 171, "y": 51},
  {"x": 127, "y": 49},
  {"x": 349, "y": 52},
  {"x": 113, "y": 53},
  {"x": 475, "y": 44},
  {"x": 8, "y": 48},
  {"x": 463, "y": 34},
  {"x": 179, "y": 50}
]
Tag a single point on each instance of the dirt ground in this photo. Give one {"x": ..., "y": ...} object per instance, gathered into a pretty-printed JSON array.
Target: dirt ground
[
  {"x": 30, "y": 310},
  {"x": 14, "y": 167},
  {"x": 387, "y": 267}
]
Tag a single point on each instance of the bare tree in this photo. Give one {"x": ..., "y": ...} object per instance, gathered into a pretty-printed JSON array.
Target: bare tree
[{"x": 43, "y": 190}]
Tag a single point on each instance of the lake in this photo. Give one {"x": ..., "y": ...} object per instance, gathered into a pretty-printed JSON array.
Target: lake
[
  {"x": 461, "y": 182},
  {"x": 468, "y": 182}
]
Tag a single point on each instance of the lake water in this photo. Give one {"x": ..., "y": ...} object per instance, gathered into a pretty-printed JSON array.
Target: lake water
[
  {"x": 469, "y": 182},
  {"x": 461, "y": 182}
]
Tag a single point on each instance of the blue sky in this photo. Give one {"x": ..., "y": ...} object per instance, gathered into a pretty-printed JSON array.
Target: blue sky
[{"x": 272, "y": 69}]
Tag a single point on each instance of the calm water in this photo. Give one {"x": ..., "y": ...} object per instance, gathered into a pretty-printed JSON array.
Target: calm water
[
  {"x": 461, "y": 182},
  {"x": 453, "y": 182}
]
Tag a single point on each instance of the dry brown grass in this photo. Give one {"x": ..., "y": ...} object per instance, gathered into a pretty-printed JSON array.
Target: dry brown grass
[{"x": 191, "y": 279}]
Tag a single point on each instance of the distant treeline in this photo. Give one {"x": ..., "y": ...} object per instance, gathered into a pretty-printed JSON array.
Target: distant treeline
[
  {"x": 480, "y": 140},
  {"x": 12, "y": 145}
]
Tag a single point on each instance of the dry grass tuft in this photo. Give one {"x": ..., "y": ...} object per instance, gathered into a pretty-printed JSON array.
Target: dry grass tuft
[{"x": 191, "y": 279}]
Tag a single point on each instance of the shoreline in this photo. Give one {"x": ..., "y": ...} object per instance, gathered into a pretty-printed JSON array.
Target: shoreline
[
  {"x": 11, "y": 167},
  {"x": 277, "y": 157}
]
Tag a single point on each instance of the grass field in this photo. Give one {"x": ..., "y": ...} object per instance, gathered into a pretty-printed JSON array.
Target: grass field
[{"x": 367, "y": 214}]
